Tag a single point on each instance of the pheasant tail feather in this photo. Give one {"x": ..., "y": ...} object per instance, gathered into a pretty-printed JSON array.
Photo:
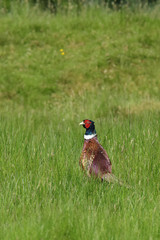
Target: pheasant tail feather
[{"x": 111, "y": 178}]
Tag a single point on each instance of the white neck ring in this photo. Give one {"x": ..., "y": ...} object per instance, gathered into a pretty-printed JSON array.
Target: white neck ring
[{"x": 86, "y": 137}]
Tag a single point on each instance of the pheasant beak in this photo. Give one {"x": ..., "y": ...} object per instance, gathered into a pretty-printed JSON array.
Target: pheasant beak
[{"x": 82, "y": 123}]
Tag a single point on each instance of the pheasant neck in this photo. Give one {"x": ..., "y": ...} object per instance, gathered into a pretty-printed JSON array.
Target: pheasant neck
[
  {"x": 90, "y": 133},
  {"x": 86, "y": 137}
]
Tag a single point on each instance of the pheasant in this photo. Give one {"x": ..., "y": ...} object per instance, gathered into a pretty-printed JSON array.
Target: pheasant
[{"x": 94, "y": 159}]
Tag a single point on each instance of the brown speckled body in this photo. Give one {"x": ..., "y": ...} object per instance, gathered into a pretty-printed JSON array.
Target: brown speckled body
[{"x": 94, "y": 159}]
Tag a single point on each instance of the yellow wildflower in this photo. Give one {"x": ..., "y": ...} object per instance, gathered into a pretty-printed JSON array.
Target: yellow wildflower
[
  {"x": 61, "y": 50},
  {"x": 62, "y": 53}
]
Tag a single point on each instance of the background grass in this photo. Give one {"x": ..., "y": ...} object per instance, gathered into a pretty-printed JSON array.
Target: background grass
[{"x": 110, "y": 74}]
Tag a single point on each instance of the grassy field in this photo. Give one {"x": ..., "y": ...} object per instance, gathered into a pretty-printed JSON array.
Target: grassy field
[{"x": 109, "y": 73}]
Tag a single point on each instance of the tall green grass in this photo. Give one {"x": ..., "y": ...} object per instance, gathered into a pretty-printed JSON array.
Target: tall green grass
[
  {"x": 109, "y": 73},
  {"x": 44, "y": 195}
]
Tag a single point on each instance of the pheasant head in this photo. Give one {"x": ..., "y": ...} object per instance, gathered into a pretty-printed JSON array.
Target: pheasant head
[{"x": 90, "y": 128}]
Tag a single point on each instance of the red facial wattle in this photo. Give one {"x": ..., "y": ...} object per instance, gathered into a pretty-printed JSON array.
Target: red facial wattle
[{"x": 87, "y": 123}]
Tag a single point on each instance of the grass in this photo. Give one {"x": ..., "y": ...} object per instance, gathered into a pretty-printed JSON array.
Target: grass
[{"x": 110, "y": 74}]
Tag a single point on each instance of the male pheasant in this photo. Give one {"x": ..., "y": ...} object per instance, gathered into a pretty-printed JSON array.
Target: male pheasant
[{"x": 94, "y": 159}]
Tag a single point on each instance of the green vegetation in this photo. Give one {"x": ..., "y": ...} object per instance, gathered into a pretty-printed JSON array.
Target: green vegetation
[
  {"x": 56, "y": 6},
  {"x": 109, "y": 73}
]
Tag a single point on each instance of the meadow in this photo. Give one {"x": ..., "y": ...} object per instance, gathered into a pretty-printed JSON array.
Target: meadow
[{"x": 108, "y": 71}]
